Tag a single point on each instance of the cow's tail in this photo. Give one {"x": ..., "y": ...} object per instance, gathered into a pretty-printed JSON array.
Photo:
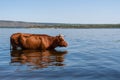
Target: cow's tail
[{"x": 10, "y": 44}]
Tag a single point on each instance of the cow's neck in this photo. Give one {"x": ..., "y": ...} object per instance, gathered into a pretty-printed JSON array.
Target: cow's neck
[{"x": 54, "y": 42}]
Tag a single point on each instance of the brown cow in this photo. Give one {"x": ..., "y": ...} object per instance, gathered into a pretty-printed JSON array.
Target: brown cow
[{"x": 36, "y": 41}]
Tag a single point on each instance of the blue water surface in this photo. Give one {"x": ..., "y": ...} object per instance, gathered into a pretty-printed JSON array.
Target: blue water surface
[{"x": 92, "y": 54}]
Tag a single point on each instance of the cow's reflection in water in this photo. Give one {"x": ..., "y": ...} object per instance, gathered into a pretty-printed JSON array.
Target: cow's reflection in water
[{"x": 38, "y": 59}]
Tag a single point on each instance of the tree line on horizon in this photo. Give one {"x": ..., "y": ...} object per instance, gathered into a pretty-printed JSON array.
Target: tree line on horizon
[
  {"x": 77, "y": 26},
  {"x": 20, "y": 24}
]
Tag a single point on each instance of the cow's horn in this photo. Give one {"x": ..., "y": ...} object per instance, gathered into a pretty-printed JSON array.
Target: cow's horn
[{"x": 61, "y": 35}]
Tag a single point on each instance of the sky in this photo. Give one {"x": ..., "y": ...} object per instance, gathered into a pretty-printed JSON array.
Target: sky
[{"x": 61, "y": 11}]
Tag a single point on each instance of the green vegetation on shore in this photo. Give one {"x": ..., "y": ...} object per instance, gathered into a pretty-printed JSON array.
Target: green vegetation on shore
[
  {"x": 20, "y": 24},
  {"x": 78, "y": 26}
]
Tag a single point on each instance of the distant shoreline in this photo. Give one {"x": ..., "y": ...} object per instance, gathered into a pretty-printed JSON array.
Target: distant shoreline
[
  {"x": 68, "y": 26},
  {"x": 20, "y": 24}
]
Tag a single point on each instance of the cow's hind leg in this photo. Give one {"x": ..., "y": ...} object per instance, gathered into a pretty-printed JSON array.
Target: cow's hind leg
[{"x": 14, "y": 47}]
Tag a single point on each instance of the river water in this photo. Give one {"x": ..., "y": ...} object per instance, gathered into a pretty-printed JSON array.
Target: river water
[{"x": 92, "y": 54}]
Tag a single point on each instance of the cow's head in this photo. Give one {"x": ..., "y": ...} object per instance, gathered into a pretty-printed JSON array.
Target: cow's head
[{"x": 61, "y": 41}]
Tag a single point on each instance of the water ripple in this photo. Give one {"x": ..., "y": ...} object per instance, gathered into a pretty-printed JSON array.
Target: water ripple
[{"x": 92, "y": 54}]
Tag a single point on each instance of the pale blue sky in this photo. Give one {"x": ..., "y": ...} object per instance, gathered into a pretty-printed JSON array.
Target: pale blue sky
[{"x": 61, "y": 11}]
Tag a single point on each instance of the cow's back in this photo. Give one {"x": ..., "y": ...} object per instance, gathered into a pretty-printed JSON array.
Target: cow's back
[{"x": 35, "y": 41}]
